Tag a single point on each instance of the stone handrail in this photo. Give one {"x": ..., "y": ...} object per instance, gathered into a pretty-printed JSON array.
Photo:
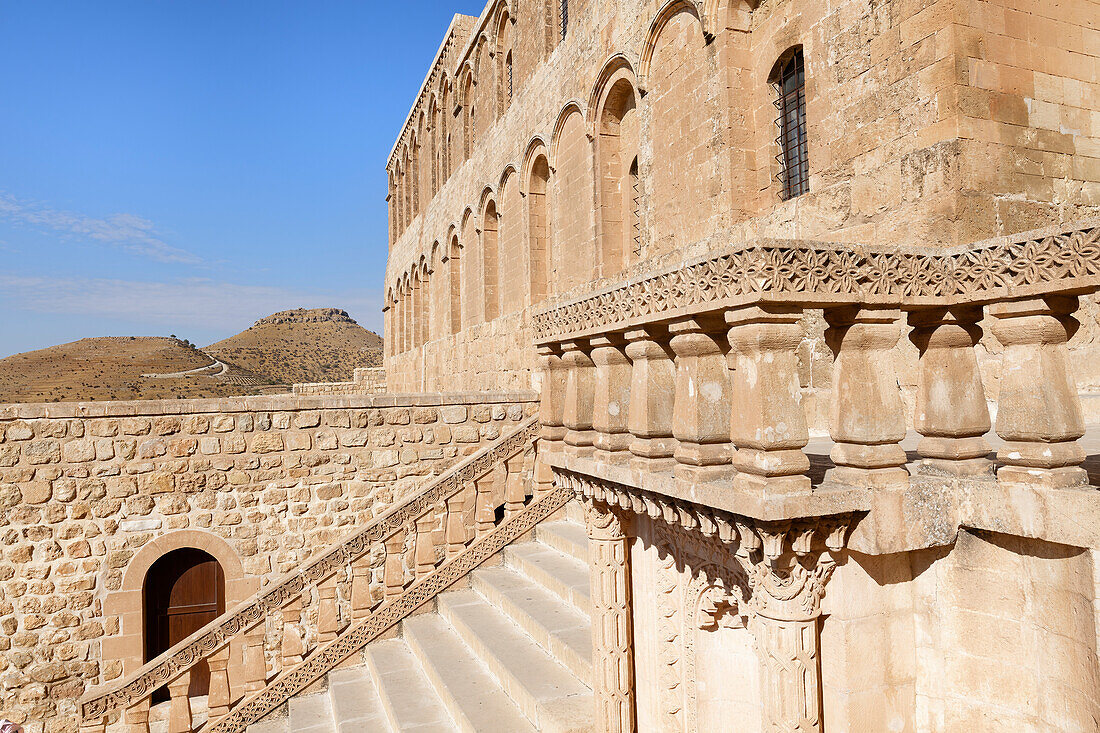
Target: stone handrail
[
  {"x": 686, "y": 382},
  {"x": 1064, "y": 260},
  {"x": 212, "y": 641}
]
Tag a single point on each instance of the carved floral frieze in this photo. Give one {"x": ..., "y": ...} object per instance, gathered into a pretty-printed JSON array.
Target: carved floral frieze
[{"x": 812, "y": 273}]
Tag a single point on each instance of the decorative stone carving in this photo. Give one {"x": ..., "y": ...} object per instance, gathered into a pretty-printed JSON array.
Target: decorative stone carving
[{"x": 612, "y": 618}]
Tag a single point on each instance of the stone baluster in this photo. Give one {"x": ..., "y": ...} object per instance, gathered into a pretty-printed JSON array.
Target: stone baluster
[
  {"x": 612, "y": 624},
  {"x": 611, "y": 397},
  {"x": 1039, "y": 411},
  {"x": 951, "y": 413},
  {"x": 255, "y": 665},
  {"x": 293, "y": 647},
  {"x": 455, "y": 533},
  {"x": 328, "y": 611},
  {"x": 652, "y": 390},
  {"x": 137, "y": 716},
  {"x": 219, "y": 697},
  {"x": 551, "y": 414},
  {"x": 425, "y": 543},
  {"x": 484, "y": 511},
  {"x": 768, "y": 424},
  {"x": 393, "y": 574},
  {"x": 361, "y": 599},
  {"x": 179, "y": 707},
  {"x": 580, "y": 388},
  {"x": 701, "y": 414},
  {"x": 868, "y": 417},
  {"x": 514, "y": 491}
]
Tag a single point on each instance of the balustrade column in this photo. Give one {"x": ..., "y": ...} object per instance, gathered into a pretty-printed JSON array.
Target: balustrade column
[
  {"x": 255, "y": 665},
  {"x": 701, "y": 413},
  {"x": 514, "y": 491},
  {"x": 484, "y": 511},
  {"x": 612, "y": 622},
  {"x": 580, "y": 386},
  {"x": 1039, "y": 411},
  {"x": 455, "y": 533},
  {"x": 179, "y": 707},
  {"x": 768, "y": 424},
  {"x": 425, "y": 544},
  {"x": 868, "y": 417},
  {"x": 394, "y": 570},
  {"x": 137, "y": 717},
  {"x": 652, "y": 399},
  {"x": 328, "y": 611},
  {"x": 219, "y": 699},
  {"x": 611, "y": 401},
  {"x": 951, "y": 413},
  {"x": 361, "y": 599},
  {"x": 292, "y": 646},
  {"x": 551, "y": 413}
]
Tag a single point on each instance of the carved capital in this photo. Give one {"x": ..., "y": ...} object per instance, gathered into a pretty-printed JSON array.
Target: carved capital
[{"x": 603, "y": 522}]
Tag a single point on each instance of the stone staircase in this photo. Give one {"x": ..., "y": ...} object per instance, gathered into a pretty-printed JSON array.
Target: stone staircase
[{"x": 509, "y": 651}]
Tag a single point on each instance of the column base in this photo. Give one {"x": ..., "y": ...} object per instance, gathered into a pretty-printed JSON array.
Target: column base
[
  {"x": 608, "y": 443},
  {"x": 1067, "y": 477},
  {"x": 702, "y": 474},
  {"x": 968, "y": 468},
  {"x": 771, "y": 486},
  {"x": 872, "y": 478}
]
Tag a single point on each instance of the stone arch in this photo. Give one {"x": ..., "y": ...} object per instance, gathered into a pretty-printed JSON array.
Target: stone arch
[
  {"x": 536, "y": 188},
  {"x": 453, "y": 257},
  {"x": 512, "y": 254},
  {"x": 615, "y": 68},
  {"x": 503, "y": 52},
  {"x": 434, "y": 123},
  {"x": 617, "y": 135},
  {"x": 571, "y": 107},
  {"x": 127, "y": 606},
  {"x": 471, "y": 269},
  {"x": 683, "y": 176},
  {"x": 486, "y": 105},
  {"x": 720, "y": 15},
  {"x": 572, "y": 199},
  {"x": 666, "y": 13},
  {"x": 468, "y": 104},
  {"x": 489, "y": 225}
]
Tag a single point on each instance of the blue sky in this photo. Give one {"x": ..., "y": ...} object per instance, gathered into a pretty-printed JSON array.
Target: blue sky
[{"x": 188, "y": 167}]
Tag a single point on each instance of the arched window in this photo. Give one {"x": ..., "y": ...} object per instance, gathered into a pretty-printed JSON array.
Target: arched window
[
  {"x": 617, "y": 147},
  {"x": 490, "y": 272},
  {"x": 511, "y": 81},
  {"x": 634, "y": 214},
  {"x": 563, "y": 17},
  {"x": 789, "y": 81},
  {"x": 455, "y": 294}
]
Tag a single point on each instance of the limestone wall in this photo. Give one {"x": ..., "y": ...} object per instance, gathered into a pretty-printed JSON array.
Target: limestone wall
[{"x": 87, "y": 488}]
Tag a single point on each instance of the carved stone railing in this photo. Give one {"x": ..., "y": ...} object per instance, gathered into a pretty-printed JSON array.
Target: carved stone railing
[
  {"x": 675, "y": 396},
  {"x": 344, "y": 596}
]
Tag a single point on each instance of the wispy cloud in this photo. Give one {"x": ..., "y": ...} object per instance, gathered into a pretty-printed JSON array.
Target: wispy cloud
[
  {"x": 178, "y": 305},
  {"x": 126, "y": 231}
]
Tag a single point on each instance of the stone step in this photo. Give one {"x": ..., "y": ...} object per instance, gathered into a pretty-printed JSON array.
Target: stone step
[
  {"x": 559, "y": 573},
  {"x": 311, "y": 714},
  {"x": 574, "y": 511},
  {"x": 356, "y": 706},
  {"x": 557, "y": 625},
  {"x": 408, "y": 697},
  {"x": 472, "y": 696},
  {"x": 551, "y": 696},
  {"x": 567, "y": 537}
]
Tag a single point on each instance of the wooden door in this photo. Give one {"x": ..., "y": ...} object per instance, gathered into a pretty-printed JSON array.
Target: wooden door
[{"x": 184, "y": 591}]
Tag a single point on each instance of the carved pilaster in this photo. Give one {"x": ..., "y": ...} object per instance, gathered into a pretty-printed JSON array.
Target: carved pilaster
[{"x": 612, "y": 623}]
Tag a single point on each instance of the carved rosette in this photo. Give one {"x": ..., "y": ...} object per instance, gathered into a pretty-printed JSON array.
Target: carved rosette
[
  {"x": 770, "y": 576},
  {"x": 612, "y": 622}
]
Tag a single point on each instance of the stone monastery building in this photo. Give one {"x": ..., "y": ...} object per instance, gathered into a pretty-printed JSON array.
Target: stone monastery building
[{"x": 743, "y": 374}]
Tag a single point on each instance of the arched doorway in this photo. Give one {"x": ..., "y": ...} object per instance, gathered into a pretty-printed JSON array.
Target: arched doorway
[{"x": 184, "y": 590}]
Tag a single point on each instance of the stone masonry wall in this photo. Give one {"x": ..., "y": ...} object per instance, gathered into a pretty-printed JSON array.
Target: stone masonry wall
[{"x": 84, "y": 487}]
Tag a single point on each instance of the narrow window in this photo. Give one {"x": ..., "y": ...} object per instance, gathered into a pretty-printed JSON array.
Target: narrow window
[
  {"x": 790, "y": 86},
  {"x": 508, "y": 63},
  {"x": 635, "y": 211},
  {"x": 564, "y": 17}
]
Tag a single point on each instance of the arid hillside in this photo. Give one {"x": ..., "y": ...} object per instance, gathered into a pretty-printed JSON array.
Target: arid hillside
[{"x": 318, "y": 345}]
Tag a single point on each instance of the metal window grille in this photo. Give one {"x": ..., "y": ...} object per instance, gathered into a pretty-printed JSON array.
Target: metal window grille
[
  {"x": 564, "y": 17},
  {"x": 636, "y": 209},
  {"x": 794, "y": 168},
  {"x": 508, "y": 61}
]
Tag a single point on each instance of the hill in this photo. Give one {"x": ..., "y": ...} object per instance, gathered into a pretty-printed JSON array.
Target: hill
[{"x": 318, "y": 345}]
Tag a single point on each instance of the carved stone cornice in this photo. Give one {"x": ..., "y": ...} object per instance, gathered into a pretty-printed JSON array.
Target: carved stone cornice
[
  {"x": 1062, "y": 260},
  {"x": 781, "y": 567}
]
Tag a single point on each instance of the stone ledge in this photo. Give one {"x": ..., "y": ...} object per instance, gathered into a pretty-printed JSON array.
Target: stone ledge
[
  {"x": 826, "y": 500},
  {"x": 255, "y": 403}
]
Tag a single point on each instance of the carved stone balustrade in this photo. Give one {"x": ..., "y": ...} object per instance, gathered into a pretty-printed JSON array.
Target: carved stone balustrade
[
  {"x": 390, "y": 562},
  {"x": 652, "y": 387}
]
